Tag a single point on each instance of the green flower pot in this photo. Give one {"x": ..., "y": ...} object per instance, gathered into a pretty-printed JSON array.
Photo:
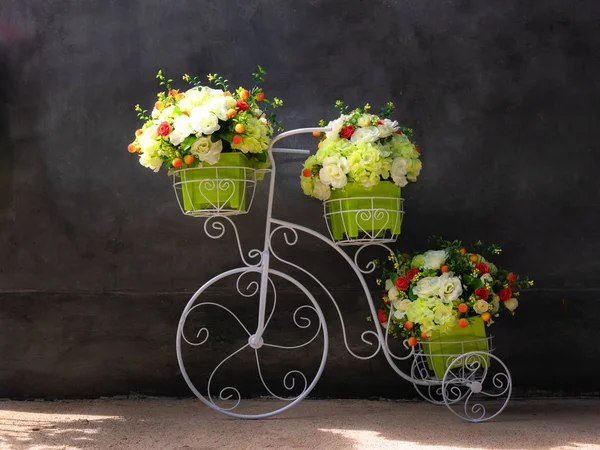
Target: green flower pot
[
  {"x": 441, "y": 349},
  {"x": 351, "y": 216},
  {"x": 213, "y": 187}
]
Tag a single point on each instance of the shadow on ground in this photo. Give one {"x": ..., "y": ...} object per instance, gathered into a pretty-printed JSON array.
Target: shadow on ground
[{"x": 314, "y": 424}]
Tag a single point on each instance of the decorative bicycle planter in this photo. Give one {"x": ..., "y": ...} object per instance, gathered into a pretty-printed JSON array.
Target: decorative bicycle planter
[{"x": 464, "y": 379}]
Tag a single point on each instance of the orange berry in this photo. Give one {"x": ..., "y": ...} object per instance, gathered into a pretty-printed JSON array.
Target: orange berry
[
  {"x": 306, "y": 173},
  {"x": 473, "y": 258},
  {"x": 173, "y": 92},
  {"x": 159, "y": 105},
  {"x": 408, "y": 325},
  {"x": 260, "y": 96},
  {"x": 412, "y": 341},
  {"x": 244, "y": 94},
  {"x": 179, "y": 97},
  {"x": 188, "y": 159},
  {"x": 486, "y": 316},
  {"x": 239, "y": 128},
  {"x": 511, "y": 277},
  {"x": 132, "y": 148},
  {"x": 425, "y": 335},
  {"x": 418, "y": 149},
  {"x": 139, "y": 132},
  {"x": 231, "y": 113},
  {"x": 463, "y": 251},
  {"x": 463, "y": 323},
  {"x": 445, "y": 269},
  {"x": 227, "y": 93},
  {"x": 463, "y": 308},
  {"x": 186, "y": 113},
  {"x": 316, "y": 133},
  {"x": 237, "y": 139},
  {"x": 177, "y": 163}
]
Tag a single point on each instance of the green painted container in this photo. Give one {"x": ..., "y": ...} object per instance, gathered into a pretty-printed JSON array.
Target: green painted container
[
  {"x": 456, "y": 342},
  {"x": 199, "y": 192},
  {"x": 347, "y": 219}
]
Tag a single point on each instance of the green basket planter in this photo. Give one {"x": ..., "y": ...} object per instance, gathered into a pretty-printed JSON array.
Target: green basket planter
[
  {"x": 441, "y": 349},
  {"x": 355, "y": 211},
  {"x": 215, "y": 187}
]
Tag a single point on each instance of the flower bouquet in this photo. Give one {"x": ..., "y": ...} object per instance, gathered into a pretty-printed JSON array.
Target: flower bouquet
[
  {"x": 358, "y": 171},
  {"x": 443, "y": 298},
  {"x": 212, "y": 140}
]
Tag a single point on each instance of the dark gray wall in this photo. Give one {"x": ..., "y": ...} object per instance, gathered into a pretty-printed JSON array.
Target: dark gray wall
[{"x": 96, "y": 261}]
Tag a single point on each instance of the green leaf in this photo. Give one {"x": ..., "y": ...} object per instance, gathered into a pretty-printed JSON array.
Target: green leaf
[{"x": 187, "y": 142}]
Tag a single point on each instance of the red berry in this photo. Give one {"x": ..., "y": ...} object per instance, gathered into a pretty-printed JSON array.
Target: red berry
[
  {"x": 463, "y": 308},
  {"x": 412, "y": 341},
  {"x": 177, "y": 163},
  {"x": 408, "y": 325},
  {"x": 260, "y": 97},
  {"x": 237, "y": 139},
  {"x": 425, "y": 335},
  {"x": 306, "y": 173},
  {"x": 382, "y": 316},
  {"x": 418, "y": 149},
  {"x": 463, "y": 323},
  {"x": 511, "y": 277},
  {"x": 445, "y": 269}
]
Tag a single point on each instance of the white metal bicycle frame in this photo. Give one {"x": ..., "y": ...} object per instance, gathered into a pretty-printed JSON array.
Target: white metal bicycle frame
[{"x": 454, "y": 390}]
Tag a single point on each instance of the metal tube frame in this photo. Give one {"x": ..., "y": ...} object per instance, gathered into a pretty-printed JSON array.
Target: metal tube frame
[{"x": 464, "y": 377}]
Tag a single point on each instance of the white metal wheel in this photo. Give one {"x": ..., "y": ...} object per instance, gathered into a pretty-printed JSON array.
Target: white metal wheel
[
  {"x": 231, "y": 394},
  {"x": 476, "y": 386}
]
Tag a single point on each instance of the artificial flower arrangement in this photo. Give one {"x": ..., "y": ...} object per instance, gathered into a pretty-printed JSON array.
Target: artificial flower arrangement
[
  {"x": 368, "y": 158},
  {"x": 187, "y": 128},
  {"x": 205, "y": 126},
  {"x": 446, "y": 294},
  {"x": 440, "y": 289},
  {"x": 361, "y": 148}
]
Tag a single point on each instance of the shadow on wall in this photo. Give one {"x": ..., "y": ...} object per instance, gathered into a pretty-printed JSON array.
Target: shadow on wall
[{"x": 17, "y": 46}]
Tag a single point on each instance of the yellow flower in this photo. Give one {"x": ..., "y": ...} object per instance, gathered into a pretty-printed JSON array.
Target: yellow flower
[{"x": 378, "y": 281}]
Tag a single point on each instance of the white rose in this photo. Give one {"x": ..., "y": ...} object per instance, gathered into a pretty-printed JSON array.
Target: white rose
[
  {"x": 450, "y": 287},
  {"x": 434, "y": 259},
  {"x": 393, "y": 293},
  {"x": 321, "y": 191},
  {"x": 481, "y": 306},
  {"x": 366, "y": 134},
  {"x": 193, "y": 96},
  {"x": 414, "y": 170},
  {"x": 167, "y": 114},
  {"x": 336, "y": 127},
  {"x": 511, "y": 304},
  {"x": 399, "y": 314},
  {"x": 388, "y": 128},
  {"x": 334, "y": 171},
  {"x": 364, "y": 121},
  {"x": 486, "y": 278},
  {"x": 147, "y": 140},
  {"x": 427, "y": 287},
  {"x": 495, "y": 304},
  {"x": 398, "y": 172},
  {"x": 207, "y": 151},
  {"x": 182, "y": 128},
  {"x": 151, "y": 161},
  {"x": 203, "y": 121},
  {"x": 218, "y": 106},
  {"x": 402, "y": 305},
  {"x": 230, "y": 101},
  {"x": 155, "y": 113}
]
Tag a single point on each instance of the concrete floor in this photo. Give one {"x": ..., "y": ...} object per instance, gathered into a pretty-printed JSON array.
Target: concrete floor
[{"x": 150, "y": 424}]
